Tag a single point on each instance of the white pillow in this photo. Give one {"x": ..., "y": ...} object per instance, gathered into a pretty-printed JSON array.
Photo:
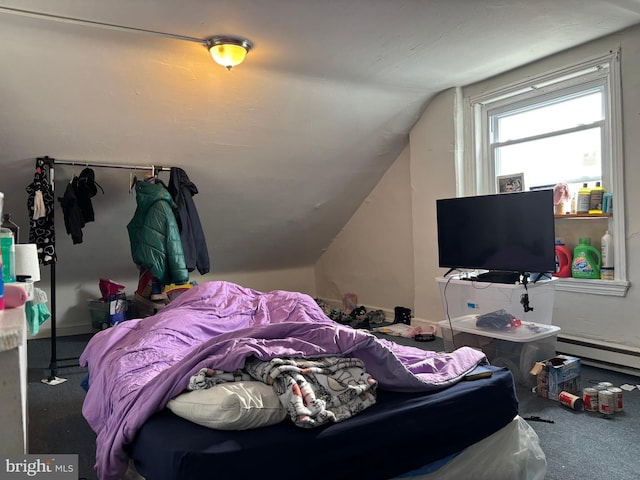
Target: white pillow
[{"x": 230, "y": 406}]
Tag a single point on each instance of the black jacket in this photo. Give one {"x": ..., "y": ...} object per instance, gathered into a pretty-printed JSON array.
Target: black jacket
[
  {"x": 73, "y": 218},
  {"x": 194, "y": 244}
]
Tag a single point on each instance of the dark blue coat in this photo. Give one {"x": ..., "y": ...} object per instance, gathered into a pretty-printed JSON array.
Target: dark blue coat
[{"x": 194, "y": 244}]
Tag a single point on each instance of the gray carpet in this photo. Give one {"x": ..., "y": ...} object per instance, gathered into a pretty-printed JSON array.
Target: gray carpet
[
  {"x": 56, "y": 424},
  {"x": 578, "y": 445}
]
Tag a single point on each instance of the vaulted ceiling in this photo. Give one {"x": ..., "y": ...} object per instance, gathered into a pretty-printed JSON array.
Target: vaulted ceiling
[{"x": 287, "y": 145}]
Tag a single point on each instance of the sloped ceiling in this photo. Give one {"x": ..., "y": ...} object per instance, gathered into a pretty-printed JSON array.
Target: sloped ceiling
[{"x": 287, "y": 145}]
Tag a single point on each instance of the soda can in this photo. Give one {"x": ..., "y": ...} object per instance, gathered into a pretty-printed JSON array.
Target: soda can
[
  {"x": 590, "y": 399},
  {"x": 570, "y": 400},
  {"x": 605, "y": 402},
  {"x": 617, "y": 398}
]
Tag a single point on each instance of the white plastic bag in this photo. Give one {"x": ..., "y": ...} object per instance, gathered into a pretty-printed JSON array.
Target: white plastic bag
[{"x": 512, "y": 453}]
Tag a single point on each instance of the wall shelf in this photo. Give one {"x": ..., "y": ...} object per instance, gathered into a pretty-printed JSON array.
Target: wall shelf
[
  {"x": 614, "y": 288},
  {"x": 584, "y": 215}
]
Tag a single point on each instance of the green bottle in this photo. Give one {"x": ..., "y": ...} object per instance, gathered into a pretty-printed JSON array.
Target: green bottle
[
  {"x": 587, "y": 260},
  {"x": 7, "y": 246},
  {"x": 7, "y": 250}
]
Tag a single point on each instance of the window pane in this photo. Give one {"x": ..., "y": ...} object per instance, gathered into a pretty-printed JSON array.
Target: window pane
[
  {"x": 569, "y": 158},
  {"x": 582, "y": 110}
]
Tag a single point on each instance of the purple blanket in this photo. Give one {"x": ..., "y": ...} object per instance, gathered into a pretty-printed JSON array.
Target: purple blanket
[{"x": 138, "y": 366}]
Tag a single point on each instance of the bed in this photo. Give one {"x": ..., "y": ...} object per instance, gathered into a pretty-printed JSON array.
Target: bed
[{"x": 419, "y": 417}]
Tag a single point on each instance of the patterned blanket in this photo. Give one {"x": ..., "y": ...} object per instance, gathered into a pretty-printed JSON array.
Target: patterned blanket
[
  {"x": 319, "y": 391},
  {"x": 314, "y": 392}
]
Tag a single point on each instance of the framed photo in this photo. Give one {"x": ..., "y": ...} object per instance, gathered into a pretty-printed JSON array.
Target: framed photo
[{"x": 510, "y": 183}]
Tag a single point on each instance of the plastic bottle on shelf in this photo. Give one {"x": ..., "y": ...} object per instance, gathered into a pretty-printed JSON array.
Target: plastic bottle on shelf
[
  {"x": 607, "y": 198},
  {"x": 563, "y": 260},
  {"x": 606, "y": 252},
  {"x": 595, "y": 199},
  {"x": 587, "y": 260},
  {"x": 584, "y": 199}
]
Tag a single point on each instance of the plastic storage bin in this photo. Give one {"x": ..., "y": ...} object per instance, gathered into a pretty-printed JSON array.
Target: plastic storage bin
[
  {"x": 105, "y": 314},
  {"x": 517, "y": 348},
  {"x": 465, "y": 297}
]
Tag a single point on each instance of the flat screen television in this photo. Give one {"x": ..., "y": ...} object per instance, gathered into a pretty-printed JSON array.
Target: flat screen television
[{"x": 507, "y": 232}]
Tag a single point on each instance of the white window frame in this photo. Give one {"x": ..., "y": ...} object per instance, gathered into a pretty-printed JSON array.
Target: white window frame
[{"x": 476, "y": 174}]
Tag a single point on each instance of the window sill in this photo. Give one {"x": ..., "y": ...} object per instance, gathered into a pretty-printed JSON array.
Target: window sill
[
  {"x": 582, "y": 215},
  {"x": 614, "y": 288}
]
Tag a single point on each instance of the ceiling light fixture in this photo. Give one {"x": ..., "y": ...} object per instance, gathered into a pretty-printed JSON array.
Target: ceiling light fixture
[{"x": 228, "y": 51}]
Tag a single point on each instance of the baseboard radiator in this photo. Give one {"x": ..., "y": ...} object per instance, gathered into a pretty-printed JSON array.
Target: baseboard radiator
[{"x": 621, "y": 358}]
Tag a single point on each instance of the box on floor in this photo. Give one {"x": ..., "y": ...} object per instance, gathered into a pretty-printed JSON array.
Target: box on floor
[{"x": 557, "y": 374}]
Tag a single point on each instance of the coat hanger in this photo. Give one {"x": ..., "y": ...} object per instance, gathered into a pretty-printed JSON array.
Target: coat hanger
[
  {"x": 73, "y": 172},
  {"x": 133, "y": 179}
]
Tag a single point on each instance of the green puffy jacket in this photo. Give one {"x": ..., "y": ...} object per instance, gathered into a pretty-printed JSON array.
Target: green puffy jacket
[{"x": 154, "y": 234}]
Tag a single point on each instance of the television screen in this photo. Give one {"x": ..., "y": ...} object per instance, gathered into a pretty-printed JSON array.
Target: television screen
[{"x": 512, "y": 232}]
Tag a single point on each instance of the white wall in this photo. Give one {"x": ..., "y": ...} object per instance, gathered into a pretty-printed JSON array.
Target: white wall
[
  {"x": 373, "y": 254},
  {"x": 610, "y": 320},
  {"x": 387, "y": 253},
  {"x": 432, "y": 177},
  {"x": 72, "y": 297},
  {"x": 105, "y": 250}
]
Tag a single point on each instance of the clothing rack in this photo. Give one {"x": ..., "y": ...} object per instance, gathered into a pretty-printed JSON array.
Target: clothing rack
[{"x": 53, "y": 379}]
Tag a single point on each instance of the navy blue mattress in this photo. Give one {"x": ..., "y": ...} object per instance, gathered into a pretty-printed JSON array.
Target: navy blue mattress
[{"x": 400, "y": 433}]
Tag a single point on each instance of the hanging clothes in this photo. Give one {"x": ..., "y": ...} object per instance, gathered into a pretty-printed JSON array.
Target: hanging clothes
[
  {"x": 154, "y": 235},
  {"x": 76, "y": 203},
  {"x": 36, "y": 311},
  {"x": 194, "y": 244},
  {"x": 40, "y": 206},
  {"x": 73, "y": 219},
  {"x": 85, "y": 188}
]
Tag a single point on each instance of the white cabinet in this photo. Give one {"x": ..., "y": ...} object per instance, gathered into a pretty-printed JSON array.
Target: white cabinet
[{"x": 13, "y": 385}]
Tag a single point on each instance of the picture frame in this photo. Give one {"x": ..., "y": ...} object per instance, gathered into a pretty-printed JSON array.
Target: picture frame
[{"x": 510, "y": 183}]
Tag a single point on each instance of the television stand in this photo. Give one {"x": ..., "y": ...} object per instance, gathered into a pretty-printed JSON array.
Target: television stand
[{"x": 498, "y": 276}]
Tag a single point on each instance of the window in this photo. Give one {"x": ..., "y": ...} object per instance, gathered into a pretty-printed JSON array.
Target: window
[
  {"x": 558, "y": 140},
  {"x": 560, "y": 127}
]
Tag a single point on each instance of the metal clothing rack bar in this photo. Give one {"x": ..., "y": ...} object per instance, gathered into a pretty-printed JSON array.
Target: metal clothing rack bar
[
  {"x": 53, "y": 379},
  {"x": 152, "y": 168}
]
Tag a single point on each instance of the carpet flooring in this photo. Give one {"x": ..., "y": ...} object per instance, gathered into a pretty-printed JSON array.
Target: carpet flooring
[{"x": 579, "y": 445}]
